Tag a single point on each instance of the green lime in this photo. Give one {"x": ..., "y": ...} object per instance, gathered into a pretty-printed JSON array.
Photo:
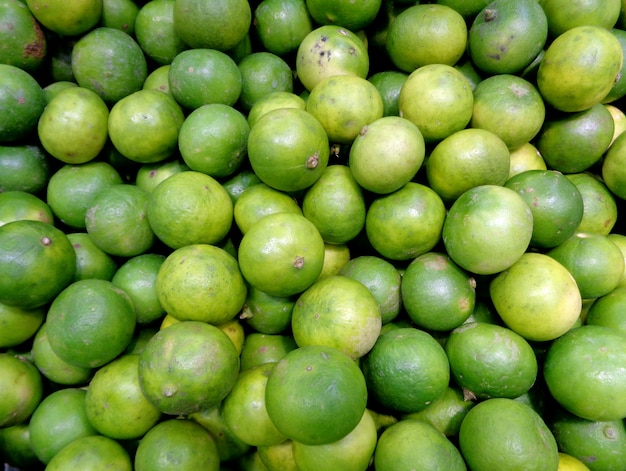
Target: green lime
[
  {"x": 241, "y": 181},
  {"x": 119, "y": 14},
  {"x": 608, "y": 310},
  {"x": 281, "y": 25},
  {"x": 613, "y": 174},
  {"x": 18, "y": 325},
  {"x": 158, "y": 79},
  {"x": 262, "y": 73},
  {"x": 266, "y": 313},
  {"x": 272, "y": 101},
  {"x": 15, "y": 447},
  {"x": 16, "y": 205},
  {"x": 599, "y": 206},
  {"x": 156, "y": 33},
  {"x": 24, "y": 168},
  {"x": 150, "y": 175},
  {"x": 389, "y": 83},
  {"x": 55, "y": 16},
  {"x": 261, "y": 348},
  {"x": 91, "y": 260},
  {"x": 95, "y": 452},
  {"x": 23, "y": 100},
  {"x": 22, "y": 389},
  {"x": 25, "y": 45},
  {"x": 260, "y": 200},
  {"x": 595, "y": 12}
]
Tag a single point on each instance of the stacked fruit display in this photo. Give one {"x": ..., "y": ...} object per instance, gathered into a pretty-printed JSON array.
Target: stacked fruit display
[{"x": 281, "y": 235}]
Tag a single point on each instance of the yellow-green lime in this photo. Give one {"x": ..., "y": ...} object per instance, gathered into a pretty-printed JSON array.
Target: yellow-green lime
[
  {"x": 22, "y": 389},
  {"x": 259, "y": 349},
  {"x": 525, "y": 157},
  {"x": 95, "y": 452},
  {"x": 158, "y": 80},
  {"x": 595, "y": 12},
  {"x": 91, "y": 260},
  {"x": 569, "y": 463},
  {"x": 16, "y": 205},
  {"x": 64, "y": 21},
  {"x": 259, "y": 201},
  {"x": 18, "y": 325},
  {"x": 150, "y": 175},
  {"x": 613, "y": 174},
  {"x": 608, "y": 310},
  {"x": 599, "y": 206},
  {"x": 272, "y": 101},
  {"x": 619, "y": 120},
  {"x": 620, "y": 240},
  {"x": 335, "y": 257}
]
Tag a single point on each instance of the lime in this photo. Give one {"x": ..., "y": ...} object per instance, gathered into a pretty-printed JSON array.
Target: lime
[
  {"x": 619, "y": 120},
  {"x": 22, "y": 389},
  {"x": 23, "y": 101},
  {"x": 91, "y": 260},
  {"x": 144, "y": 126},
  {"x": 241, "y": 181},
  {"x": 276, "y": 457},
  {"x": 25, "y": 44},
  {"x": 579, "y": 68},
  {"x": 95, "y": 452},
  {"x": 110, "y": 63},
  {"x": 272, "y": 101},
  {"x": 55, "y": 16},
  {"x": 158, "y": 79},
  {"x": 501, "y": 433},
  {"x": 344, "y": 12},
  {"x": 115, "y": 404},
  {"x": 315, "y": 395},
  {"x": 406, "y": 370},
  {"x": 386, "y": 154},
  {"x": 569, "y": 463},
  {"x": 487, "y": 229},
  {"x": 281, "y": 25},
  {"x": 590, "y": 357},
  {"x": 59, "y": 419},
  {"x": 536, "y": 297},
  {"x": 190, "y": 208},
  {"x": 595, "y": 12},
  {"x": 438, "y": 99},
  {"x": 389, "y": 83},
  {"x": 52, "y": 90},
  {"x": 410, "y": 443},
  {"x": 608, "y": 310},
  {"x": 201, "y": 282},
  {"x": 436, "y": 293},
  {"x": 203, "y": 76},
  {"x": 262, "y": 73},
  {"x": 214, "y": 24},
  {"x": 288, "y": 149},
  {"x": 620, "y": 241},
  {"x": 213, "y": 139},
  {"x": 505, "y": 38},
  {"x": 282, "y": 254},
  {"x": 119, "y": 14},
  {"x": 466, "y": 159},
  {"x": 16, "y": 205},
  {"x": 555, "y": 202},
  {"x": 187, "y": 367},
  {"x": 613, "y": 174},
  {"x": 18, "y": 325},
  {"x": 24, "y": 168},
  {"x": 405, "y": 223},
  {"x": 15, "y": 447},
  {"x": 150, "y": 175},
  {"x": 156, "y": 33},
  {"x": 619, "y": 87},
  {"x": 29, "y": 249},
  {"x": 260, "y": 200},
  {"x": 259, "y": 349},
  {"x": 341, "y": 50},
  {"x": 78, "y": 136},
  {"x": 335, "y": 257},
  {"x": 426, "y": 34},
  {"x": 467, "y": 8},
  {"x": 525, "y": 157},
  {"x": 599, "y": 206}
]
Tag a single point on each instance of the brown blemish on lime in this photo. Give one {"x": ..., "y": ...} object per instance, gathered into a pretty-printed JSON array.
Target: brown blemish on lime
[
  {"x": 298, "y": 262},
  {"x": 312, "y": 161},
  {"x": 46, "y": 241}
]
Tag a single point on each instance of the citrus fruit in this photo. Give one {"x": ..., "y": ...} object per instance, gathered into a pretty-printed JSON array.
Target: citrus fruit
[
  {"x": 436, "y": 293},
  {"x": 190, "y": 208},
  {"x": 381, "y": 278},
  {"x": 389, "y": 83},
  {"x": 620, "y": 241},
  {"x": 91, "y": 260},
  {"x": 619, "y": 120},
  {"x": 15, "y": 448},
  {"x": 330, "y": 50},
  {"x": 109, "y": 62},
  {"x": 119, "y": 14},
  {"x": 137, "y": 277},
  {"x": 53, "y": 89},
  {"x": 214, "y": 24},
  {"x": 281, "y": 25},
  {"x": 595, "y": 12},
  {"x": 315, "y": 395},
  {"x": 144, "y": 126},
  {"x": 487, "y": 229},
  {"x": 466, "y": 159},
  {"x": 599, "y": 206},
  {"x": 155, "y": 31},
  {"x": 260, "y": 200},
  {"x": 386, "y": 154},
  {"x": 569, "y": 463},
  {"x": 344, "y": 12},
  {"x": 510, "y": 107},
  {"x": 244, "y": 408},
  {"x": 594, "y": 261},
  {"x": 262, "y": 73},
  {"x": 213, "y": 139},
  {"x": 504, "y": 38},
  {"x": 158, "y": 79},
  {"x": 202, "y": 76},
  {"x": 235, "y": 332},
  {"x": 259, "y": 349},
  {"x": 59, "y": 419},
  {"x": 95, "y": 452},
  {"x": 241, "y": 181},
  {"x": 200, "y": 282},
  {"x": 488, "y": 360},
  {"x": 612, "y": 168},
  {"x": 335, "y": 205},
  {"x": 502, "y": 433},
  {"x": 187, "y": 367},
  {"x": 116, "y": 221},
  {"x": 343, "y": 104},
  {"x": 426, "y": 34},
  {"x": 56, "y": 17},
  {"x": 618, "y": 90},
  {"x": 590, "y": 357},
  {"x": 288, "y": 149},
  {"x": 282, "y": 254},
  {"x": 338, "y": 312},
  {"x": 608, "y": 310},
  {"x": 468, "y": 9},
  {"x": 24, "y": 168},
  {"x": 555, "y": 202},
  {"x": 72, "y": 188},
  {"x": 16, "y": 205},
  {"x": 272, "y": 101},
  {"x": 525, "y": 157},
  {"x": 405, "y": 223},
  {"x": 575, "y": 141},
  {"x": 447, "y": 413},
  {"x": 150, "y": 175},
  {"x": 90, "y": 323},
  {"x": 78, "y": 136},
  {"x": 29, "y": 249},
  {"x": 597, "y": 444},
  {"x": 275, "y": 457},
  {"x": 579, "y": 68},
  {"x": 406, "y": 370},
  {"x": 351, "y": 453},
  {"x": 22, "y": 389},
  {"x": 410, "y": 443},
  {"x": 115, "y": 404},
  {"x": 438, "y": 99},
  {"x": 51, "y": 366},
  {"x": 536, "y": 297},
  {"x": 18, "y": 325},
  {"x": 25, "y": 43}
]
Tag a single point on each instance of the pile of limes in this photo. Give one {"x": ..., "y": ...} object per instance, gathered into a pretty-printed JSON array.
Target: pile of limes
[{"x": 282, "y": 235}]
